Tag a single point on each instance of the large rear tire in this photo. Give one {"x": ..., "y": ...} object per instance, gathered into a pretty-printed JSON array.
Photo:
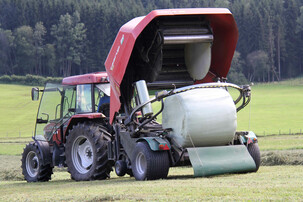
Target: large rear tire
[
  {"x": 86, "y": 152},
  {"x": 32, "y": 165},
  {"x": 254, "y": 151},
  {"x": 148, "y": 164}
]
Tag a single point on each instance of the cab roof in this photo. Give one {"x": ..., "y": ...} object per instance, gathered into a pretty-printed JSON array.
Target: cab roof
[{"x": 98, "y": 77}]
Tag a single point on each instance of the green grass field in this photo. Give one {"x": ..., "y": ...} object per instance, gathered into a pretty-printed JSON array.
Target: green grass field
[
  {"x": 269, "y": 183},
  {"x": 283, "y": 183},
  {"x": 281, "y": 142},
  {"x": 275, "y": 108},
  {"x": 18, "y": 111}
]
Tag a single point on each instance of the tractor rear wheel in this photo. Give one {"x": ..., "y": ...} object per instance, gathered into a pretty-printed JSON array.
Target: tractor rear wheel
[
  {"x": 148, "y": 164},
  {"x": 32, "y": 165},
  {"x": 86, "y": 152},
  {"x": 254, "y": 151}
]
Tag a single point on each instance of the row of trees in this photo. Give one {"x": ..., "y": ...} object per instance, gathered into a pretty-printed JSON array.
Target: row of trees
[
  {"x": 65, "y": 37},
  {"x": 24, "y": 50}
]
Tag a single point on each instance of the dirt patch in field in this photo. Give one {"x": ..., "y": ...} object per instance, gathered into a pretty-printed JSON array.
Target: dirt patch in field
[
  {"x": 10, "y": 168},
  {"x": 282, "y": 157},
  {"x": 11, "y": 175}
]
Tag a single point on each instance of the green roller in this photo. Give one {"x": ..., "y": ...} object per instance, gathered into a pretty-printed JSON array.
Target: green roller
[{"x": 216, "y": 160}]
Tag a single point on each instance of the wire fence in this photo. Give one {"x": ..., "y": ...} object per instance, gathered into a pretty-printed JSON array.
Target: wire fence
[
  {"x": 18, "y": 134},
  {"x": 282, "y": 132}
]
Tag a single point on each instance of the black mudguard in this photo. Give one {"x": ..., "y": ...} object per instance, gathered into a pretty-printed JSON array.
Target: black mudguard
[{"x": 44, "y": 149}]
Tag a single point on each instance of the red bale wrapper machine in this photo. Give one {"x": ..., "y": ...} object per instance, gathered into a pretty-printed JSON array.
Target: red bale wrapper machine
[{"x": 183, "y": 57}]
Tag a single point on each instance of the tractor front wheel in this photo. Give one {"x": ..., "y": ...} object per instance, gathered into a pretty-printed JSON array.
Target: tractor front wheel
[
  {"x": 86, "y": 152},
  {"x": 148, "y": 164},
  {"x": 32, "y": 166},
  {"x": 254, "y": 151}
]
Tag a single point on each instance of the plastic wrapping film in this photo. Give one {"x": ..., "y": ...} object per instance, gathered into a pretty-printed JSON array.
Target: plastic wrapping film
[
  {"x": 200, "y": 117},
  {"x": 197, "y": 59},
  {"x": 208, "y": 161}
]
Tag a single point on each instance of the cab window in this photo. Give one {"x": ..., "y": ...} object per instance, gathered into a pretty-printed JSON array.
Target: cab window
[
  {"x": 84, "y": 98},
  {"x": 102, "y": 98}
]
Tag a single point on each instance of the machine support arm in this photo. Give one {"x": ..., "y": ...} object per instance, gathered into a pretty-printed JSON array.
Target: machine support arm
[{"x": 245, "y": 92}]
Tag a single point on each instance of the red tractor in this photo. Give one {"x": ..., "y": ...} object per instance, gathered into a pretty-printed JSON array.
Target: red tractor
[
  {"x": 71, "y": 129},
  {"x": 183, "y": 56}
]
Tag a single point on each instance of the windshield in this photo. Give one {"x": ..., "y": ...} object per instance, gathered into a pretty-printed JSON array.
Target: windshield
[
  {"x": 49, "y": 111},
  {"x": 51, "y": 115},
  {"x": 69, "y": 103}
]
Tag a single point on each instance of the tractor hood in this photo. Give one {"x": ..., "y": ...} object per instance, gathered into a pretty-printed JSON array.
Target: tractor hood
[{"x": 170, "y": 47}]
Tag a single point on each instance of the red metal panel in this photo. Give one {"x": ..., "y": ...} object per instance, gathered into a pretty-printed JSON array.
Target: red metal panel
[
  {"x": 79, "y": 116},
  {"x": 225, "y": 40},
  {"x": 88, "y": 115},
  {"x": 224, "y": 44},
  {"x": 85, "y": 79}
]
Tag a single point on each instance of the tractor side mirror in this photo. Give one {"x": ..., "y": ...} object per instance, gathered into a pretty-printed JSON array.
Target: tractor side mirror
[{"x": 35, "y": 94}]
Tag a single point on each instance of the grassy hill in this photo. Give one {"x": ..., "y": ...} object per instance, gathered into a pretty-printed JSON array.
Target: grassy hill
[
  {"x": 275, "y": 108},
  {"x": 18, "y": 111}
]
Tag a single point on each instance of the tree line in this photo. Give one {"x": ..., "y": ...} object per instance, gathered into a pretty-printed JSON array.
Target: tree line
[{"x": 67, "y": 37}]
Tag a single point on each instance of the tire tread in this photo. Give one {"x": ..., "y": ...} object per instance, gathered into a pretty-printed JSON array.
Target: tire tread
[
  {"x": 254, "y": 151},
  {"x": 102, "y": 166},
  {"x": 45, "y": 171}
]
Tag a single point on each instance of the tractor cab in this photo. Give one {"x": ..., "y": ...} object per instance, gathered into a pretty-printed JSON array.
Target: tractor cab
[
  {"x": 74, "y": 97},
  {"x": 57, "y": 105},
  {"x": 78, "y": 99}
]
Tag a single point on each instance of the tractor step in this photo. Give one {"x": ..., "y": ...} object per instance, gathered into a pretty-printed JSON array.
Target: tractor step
[{"x": 216, "y": 160}]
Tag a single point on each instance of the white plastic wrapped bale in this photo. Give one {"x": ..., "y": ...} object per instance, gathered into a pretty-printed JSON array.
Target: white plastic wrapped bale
[{"x": 204, "y": 117}]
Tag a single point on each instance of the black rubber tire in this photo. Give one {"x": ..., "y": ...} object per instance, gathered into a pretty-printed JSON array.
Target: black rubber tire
[
  {"x": 254, "y": 151},
  {"x": 97, "y": 153},
  {"x": 148, "y": 164},
  {"x": 32, "y": 166},
  {"x": 120, "y": 168}
]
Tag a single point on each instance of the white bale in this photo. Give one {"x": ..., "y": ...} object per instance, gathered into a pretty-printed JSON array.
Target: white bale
[
  {"x": 197, "y": 59},
  {"x": 204, "y": 117}
]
